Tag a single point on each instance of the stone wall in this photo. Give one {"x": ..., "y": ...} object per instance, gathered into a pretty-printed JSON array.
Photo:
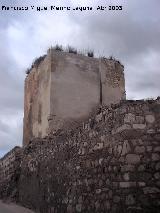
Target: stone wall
[
  {"x": 37, "y": 101},
  {"x": 9, "y": 173},
  {"x": 75, "y": 88},
  {"x": 112, "y": 81},
  {"x": 64, "y": 89},
  {"x": 109, "y": 164}
]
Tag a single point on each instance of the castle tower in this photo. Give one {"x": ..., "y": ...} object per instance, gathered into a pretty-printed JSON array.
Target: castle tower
[{"x": 64, "y": 88}]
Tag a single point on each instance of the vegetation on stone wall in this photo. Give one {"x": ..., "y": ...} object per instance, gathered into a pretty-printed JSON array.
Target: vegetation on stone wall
[
  {"x": 35, "y": 63},
  {"x": 69, "y": 49},
  {"x": 58, "y": 47},
  {"x": 90, "y": 53}
]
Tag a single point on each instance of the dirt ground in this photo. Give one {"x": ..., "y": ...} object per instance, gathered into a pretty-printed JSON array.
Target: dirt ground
[{"x": 12, "y": 208}]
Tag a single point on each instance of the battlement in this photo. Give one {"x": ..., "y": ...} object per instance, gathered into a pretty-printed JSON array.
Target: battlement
[{"x": 65, "y": 88}]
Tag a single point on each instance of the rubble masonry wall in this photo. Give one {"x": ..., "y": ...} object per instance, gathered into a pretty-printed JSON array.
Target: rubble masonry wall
[{"x": 109, "y": 164}]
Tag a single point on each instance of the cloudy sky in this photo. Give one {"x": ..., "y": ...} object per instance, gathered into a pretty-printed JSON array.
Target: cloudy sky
[{"x": 131, "y": 35}]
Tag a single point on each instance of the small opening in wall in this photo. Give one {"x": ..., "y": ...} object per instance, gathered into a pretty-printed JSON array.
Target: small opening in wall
[{"x": 39, "y": 113}]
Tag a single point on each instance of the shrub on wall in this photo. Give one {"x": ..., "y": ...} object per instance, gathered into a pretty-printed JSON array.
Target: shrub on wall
[
  {"x": 58, "y": 47},
  {"x": 71, "y": 50},
  {"x": 90, "y": 53}
]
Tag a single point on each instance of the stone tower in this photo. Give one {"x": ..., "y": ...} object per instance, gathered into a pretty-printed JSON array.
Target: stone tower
[{"x": 64, "y": 88}]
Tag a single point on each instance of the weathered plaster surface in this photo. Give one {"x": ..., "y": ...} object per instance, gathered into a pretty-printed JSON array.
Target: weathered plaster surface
[
  {"x": 37, "y": 101},
  {"x": 66, "y": 88},
  {"x": 75, "y": 87}
]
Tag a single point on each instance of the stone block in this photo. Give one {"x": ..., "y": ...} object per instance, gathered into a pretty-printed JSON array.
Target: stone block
[
  {"x": 123, "y": 128},
  {"x": 107, "y": 205},
  {"x": 127, "y": 168},
  {"x": 110, "y": 194},
  {"x": 127, "y": 184},
  {"x": 85, "y": 144},
  {"x": 105, "y": 190},
  {"x": 115, "y": 184},
  {"x": 97, "y": 205},
  {"x": 150, "y": 118},
  {"x": 108, "y": 182},
  {"x": 98, "y": 191},
  {"x": 102, "y": 138},
  {"x": 139, "y": 149},
  {"x": 130, "y": 200},
  {"x": 99, "y": 117},
  {"x": 141, "y": 168},
  {"x": 118, "y": 149},
  {"x": 116, "y": 199},
  {"x": 126, "y": 148},
  {"x": 141, "y": 184},
  {"x": 100, "y": 183},
  {"x": 79, "y": 207},
  {"x": 83, "y": 151},
  {"x": 139, "y": 126},
  {"x": 151, "y": 190},
  {"x": 149, "y": 148},
  {"x": 157, "y": 175},
  {"x": 101, "y": 160},
  {"x": 121, "y": 159},
  {"x": 126, "y": 176},
  {"x": 132, "y": 158},
  {"x": 158, "y": 183},
  {"x": 139, "y": 119},
  {"x": 151, "y": 131},
  {"x": 158, "y": 166},
  {"x": 129, "y": 118},
  {"x": 155, "y": 157},
  {"x": 98, "y": 146},
  {"x": 70, "y": 209},
  {"x": 157, "y": 149},
  {"x": 90, "y": 134}
]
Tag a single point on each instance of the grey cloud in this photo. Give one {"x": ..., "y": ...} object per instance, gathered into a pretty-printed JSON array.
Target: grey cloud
[
  {"x": 130, "y": 36},
  {"x": 150, "y": 83},
  {"x": 10, "y": 86},
  {"x": 147, "y": 86},
  {"x": 127, "y": 34},
  {"x": 3, "y": 127}
]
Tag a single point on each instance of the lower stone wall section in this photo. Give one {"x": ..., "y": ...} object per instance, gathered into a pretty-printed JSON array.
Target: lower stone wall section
[
  {"x": 109, "y": 164},
  {"x": 10, "y": 174}
]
